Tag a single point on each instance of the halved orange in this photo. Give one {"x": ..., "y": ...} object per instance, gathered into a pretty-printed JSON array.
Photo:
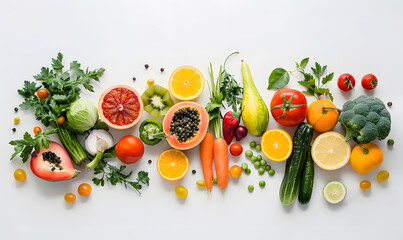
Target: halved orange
[
  {"x": 276, "y": 144},
  {"x": 186, "y": 83},
  {"x": 172, "y": 164}
]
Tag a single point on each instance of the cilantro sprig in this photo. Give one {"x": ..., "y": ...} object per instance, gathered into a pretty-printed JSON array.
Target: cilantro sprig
[
  {"x": 309, "y": 81},
  {"x": 115, "y": 175},
  {"x": 25, "y": 146}
]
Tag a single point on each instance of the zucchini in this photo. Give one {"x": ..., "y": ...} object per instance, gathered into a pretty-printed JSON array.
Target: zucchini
[
  {"x": 295, "y": 163},
  {"x": 305, "y": 189}
]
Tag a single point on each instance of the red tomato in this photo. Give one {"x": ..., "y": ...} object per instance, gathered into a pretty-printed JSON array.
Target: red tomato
[
  {"x": 42, "y": 93},
  {"x": 288, "y": 107},
  {"x": 236, "y": 149},
  {"x": 369, "y": 81},
  {"x": 129, "y": 149},
  {"x": 346, "y": 82}
]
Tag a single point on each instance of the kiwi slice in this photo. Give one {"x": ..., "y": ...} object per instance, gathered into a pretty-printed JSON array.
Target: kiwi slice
[{"x": 157, "y": 101}]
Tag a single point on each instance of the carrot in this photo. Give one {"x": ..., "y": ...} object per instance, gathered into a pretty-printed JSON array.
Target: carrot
[
  {"x": 221, "y": 162},
  {"x": 206, "y": 158}
]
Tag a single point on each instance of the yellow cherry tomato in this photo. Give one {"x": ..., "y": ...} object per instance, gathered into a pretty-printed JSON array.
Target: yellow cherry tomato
[
  {"x": 181, "y": 191},
  {"x": 20, "y": 175},
  {"x": 382, "y": 176},
  {"x": 84, "y": 189},
  {"x": 70, "y": 197}
]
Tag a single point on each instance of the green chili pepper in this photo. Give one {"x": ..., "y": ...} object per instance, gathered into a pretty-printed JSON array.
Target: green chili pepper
[{"x": 151, "y": 132}]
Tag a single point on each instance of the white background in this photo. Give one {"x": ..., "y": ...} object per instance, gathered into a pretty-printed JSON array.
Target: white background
[{"x": 358, "y": 37}]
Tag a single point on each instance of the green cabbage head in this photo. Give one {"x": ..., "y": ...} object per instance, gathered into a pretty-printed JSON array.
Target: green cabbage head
[{"x": 82, "y": 115}]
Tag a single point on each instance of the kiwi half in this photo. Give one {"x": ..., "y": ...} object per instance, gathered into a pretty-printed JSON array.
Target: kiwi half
[{"x": 157, "y": 101}]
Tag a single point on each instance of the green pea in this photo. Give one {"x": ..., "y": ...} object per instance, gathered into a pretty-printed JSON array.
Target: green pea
[
  {"x": 262, "y": 183},
  {"x": 248, "y": 171},
  {"x": 271, "y": 172},
  {"x": 391, "y": 142},
  {"x": 249, "y": 153},
  {"x": 215, "y": 180},
  {"x": 257, "y": 164},
  {"x": 267, "y": 168},
  {"x": 260, "y": 171},
  {"x": 244, "y": 166},
  {"x": 258, "y": 147},
  {"x": 263, "y": 162},
  {"x": 252, "y": 144},
  {"x": 259, "y": 157},
  {"x": 250, "y": 188},
  {"x": 253, "y": 158}
]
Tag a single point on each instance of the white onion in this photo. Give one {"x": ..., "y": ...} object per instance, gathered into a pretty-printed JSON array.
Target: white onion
[{"x": 98, "y": 141}]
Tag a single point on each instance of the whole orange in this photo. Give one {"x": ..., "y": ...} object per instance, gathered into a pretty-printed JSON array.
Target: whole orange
[
  {"x": 321, "y": 119},
  {"x": 363, "y": 162}
]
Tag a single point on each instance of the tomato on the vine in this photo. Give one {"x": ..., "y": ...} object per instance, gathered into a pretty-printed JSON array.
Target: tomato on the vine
[
  {"x": 42, "y": 93},
  {"x": 369, "y": 81},
  {"x": 288, "y": 107},
  {"x": 346, "y": 82},
  {"x": 129, "y": 149},
  {"x": 236, "y": 149}
]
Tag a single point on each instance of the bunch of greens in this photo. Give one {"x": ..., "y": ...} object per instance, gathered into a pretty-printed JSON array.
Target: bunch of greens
[
  {"x": 63, "y": 88},
  {"x": 280, "y": 77},
  {"x": 224, "y": 88}
]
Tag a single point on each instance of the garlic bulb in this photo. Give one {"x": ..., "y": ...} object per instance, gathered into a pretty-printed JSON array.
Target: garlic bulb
[{"x": 98, "y": 141}]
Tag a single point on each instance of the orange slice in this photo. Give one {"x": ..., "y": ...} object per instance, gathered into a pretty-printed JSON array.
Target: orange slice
[
  {"x": 276, "y": 144},
  {"x": 172, "y": 164},
  {"x": 186, "y": 83}
]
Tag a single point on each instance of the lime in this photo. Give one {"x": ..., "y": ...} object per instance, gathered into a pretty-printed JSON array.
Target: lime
[{"x": 334, "y": 192}]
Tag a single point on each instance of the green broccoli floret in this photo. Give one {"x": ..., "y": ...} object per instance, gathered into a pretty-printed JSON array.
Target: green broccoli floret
[{"x": 365, "y": 119}]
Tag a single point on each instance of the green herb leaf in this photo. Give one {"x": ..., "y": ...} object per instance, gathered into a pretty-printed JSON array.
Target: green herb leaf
[
  {"x": 328, "y": 78},
  {"x": 278, "y": 78},
  {"x": 57, "y": 64},
  {"x": 115, "y": 175},
  {"x": 303, "y": 63}
]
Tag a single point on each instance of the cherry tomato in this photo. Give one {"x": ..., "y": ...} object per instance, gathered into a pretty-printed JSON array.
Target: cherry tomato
[
  {"x": 369, "y": 82},
  {"x": 20, "y": 175},
  {"x": 129, "y": 149},
  {"x": 235, "y": 171},
  {"x": 61, "y": 119},
  {"x": 42, "y": 93},
  {"x": 70, "y": 197},
  {"x": 365, "y": 185},
  {"x": 181, "y": 191},
  {"x": 382, "y": 176},
  {"x": 84, "y": 189},
  {"x": 346, "y": 82},
  {"x": 288, "y": 107},
  {"x": 37, "y": 129},
  {"x": 236, "y": 149}
]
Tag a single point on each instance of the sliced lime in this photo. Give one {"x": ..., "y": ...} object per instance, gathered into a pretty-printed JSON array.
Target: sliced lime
[{"x": 334, "y": 192}]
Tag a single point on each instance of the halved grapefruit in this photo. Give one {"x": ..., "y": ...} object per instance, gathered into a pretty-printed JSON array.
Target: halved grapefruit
[{"x": 120, "y": 106}]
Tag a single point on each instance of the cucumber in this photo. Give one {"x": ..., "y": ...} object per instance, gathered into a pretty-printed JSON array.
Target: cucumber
[
  {"x": 305, "y": 189},
  {"x": 295, "y": 163}
]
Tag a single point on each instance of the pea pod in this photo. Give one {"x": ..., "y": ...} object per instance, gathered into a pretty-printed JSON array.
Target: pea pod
[{"x": 151, "y": 132}]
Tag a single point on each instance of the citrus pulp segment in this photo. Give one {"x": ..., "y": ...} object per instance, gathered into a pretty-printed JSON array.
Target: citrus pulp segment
[
  {"x": 172, "y": 164},
  {"x": 330, "y": 151},
  {"x": 186, "y": 83},
  {"x": 276, "y": 145}
]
